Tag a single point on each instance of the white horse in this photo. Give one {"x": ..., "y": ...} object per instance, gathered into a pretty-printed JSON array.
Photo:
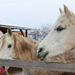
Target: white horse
[{"x": 61, "y": 38}]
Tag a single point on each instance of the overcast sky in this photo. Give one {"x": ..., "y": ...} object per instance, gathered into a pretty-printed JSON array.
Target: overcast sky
[{"x": 32, "y": 13}]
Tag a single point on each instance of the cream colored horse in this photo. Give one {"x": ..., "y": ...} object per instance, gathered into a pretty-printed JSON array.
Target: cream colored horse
[
  {"x": 61, "y": 38},
  {"x": 14, "y": 46}
]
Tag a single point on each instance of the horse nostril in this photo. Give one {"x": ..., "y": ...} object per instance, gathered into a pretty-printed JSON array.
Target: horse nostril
[{"x": 40, "y": 49}]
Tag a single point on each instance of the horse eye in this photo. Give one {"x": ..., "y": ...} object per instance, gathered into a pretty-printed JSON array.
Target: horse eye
[
  {"x": 60, "y": 28},
  {"x": 9, "y": 46}
]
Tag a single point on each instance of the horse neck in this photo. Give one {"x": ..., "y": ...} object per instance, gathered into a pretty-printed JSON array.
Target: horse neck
[{"x": 26, "y": 48}]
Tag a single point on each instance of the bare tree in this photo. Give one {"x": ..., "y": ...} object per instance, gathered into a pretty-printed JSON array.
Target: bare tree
[
  {"x": 40, "y": 34},
  {"x": 45, "y": 31},
  {"x": 35, "y": 34}
]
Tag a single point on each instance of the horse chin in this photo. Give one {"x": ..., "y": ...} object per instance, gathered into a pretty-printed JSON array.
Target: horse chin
[
  {"x": 44, "y": 59},
  {"x": 43, "y": 56}
]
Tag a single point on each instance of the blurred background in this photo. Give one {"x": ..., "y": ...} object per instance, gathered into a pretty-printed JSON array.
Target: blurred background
[
  {"x": 32, "y": 13},
  {"x": 37, "y": 14}
]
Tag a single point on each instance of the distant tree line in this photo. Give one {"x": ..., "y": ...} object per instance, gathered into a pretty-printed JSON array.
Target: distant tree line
[{"x": 40, "y": 33}]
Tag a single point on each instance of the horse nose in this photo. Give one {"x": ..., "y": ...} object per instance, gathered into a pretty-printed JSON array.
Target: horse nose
[{"x": 40, "y": 50}]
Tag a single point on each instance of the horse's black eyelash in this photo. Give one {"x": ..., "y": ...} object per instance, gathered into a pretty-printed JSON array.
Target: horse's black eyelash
[{"x": 60, "y": 28}]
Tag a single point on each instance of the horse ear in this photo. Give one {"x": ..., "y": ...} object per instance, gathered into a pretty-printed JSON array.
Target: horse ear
[
  {"x": 60, "y": 10},
  {"x": 66, "y": 10},
  {"x": 9, "y": 31}
]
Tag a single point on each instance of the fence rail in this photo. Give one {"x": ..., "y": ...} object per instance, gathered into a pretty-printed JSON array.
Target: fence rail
[{"x": 66, "y": 67}]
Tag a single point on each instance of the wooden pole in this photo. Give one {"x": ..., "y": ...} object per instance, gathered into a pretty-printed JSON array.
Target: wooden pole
[
  {"x": 64, "y": 67},
  {"x": 26, "y": 33},
  {"x": 22, "y": 32}
]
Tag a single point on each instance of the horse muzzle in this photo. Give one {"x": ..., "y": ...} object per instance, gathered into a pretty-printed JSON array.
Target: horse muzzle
[{"x": 42, "y": 55}]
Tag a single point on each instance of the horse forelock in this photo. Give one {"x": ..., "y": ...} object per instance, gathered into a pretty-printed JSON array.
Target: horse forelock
[{"x": 2, "y": 41}]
